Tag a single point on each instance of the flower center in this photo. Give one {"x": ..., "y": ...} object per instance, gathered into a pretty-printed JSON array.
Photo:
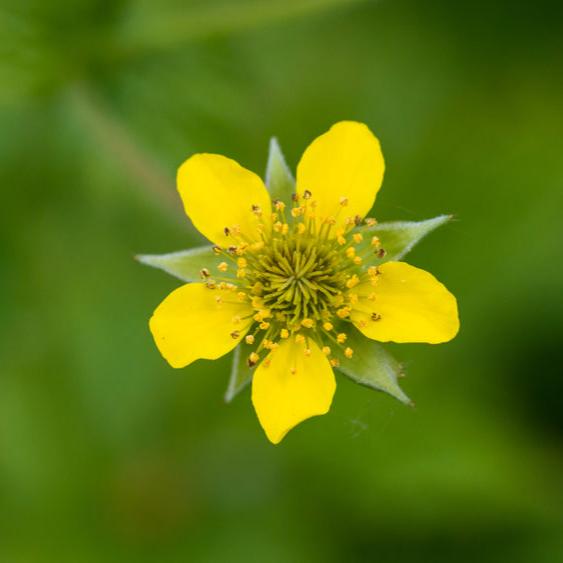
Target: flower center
[{"x": 301, "y": 278}]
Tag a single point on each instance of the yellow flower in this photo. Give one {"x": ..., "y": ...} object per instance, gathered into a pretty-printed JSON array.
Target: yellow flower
[{"x": 299, "y": 266}]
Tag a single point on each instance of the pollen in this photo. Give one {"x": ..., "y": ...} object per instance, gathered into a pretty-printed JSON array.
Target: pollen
[
  {"x": 353, "y": 282},
  {"x": 344, "y": 312}
]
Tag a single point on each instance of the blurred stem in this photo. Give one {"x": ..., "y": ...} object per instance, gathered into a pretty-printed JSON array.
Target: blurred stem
[
  {"x": 112, "y": 136},
  {"x": 146, "y": 32}
]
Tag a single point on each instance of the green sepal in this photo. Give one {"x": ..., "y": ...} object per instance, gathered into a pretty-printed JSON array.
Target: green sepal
[
  {"x": 399, "y": 237},
  {"x": 185, "y": 264},
  {"x": 372, "y": 366},
  {"x": 279, "y": 180},
  {"x": 241, "y": 374}
]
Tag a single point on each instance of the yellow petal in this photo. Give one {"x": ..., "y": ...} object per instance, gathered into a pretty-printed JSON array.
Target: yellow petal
[
  {"x": 414, "y": 306},
  {"x": 344, "y": 165},
  {"x": 292, "y": 388},
  {"x": 191, "y": 324},
  {"x": 217, "y": 192}
]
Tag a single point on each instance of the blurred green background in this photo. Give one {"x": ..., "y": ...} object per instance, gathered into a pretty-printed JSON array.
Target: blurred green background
[{"x": 106, "y": 453}]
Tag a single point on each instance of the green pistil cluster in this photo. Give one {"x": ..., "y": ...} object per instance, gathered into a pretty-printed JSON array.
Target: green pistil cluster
[{"x": 300, "y": 277}]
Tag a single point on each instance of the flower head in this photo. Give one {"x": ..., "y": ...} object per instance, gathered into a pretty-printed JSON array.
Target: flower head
[{"x": 296, "y": 281}]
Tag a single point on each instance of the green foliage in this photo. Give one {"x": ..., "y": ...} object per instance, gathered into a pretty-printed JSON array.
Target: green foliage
[
  {"x": 398, "y": 238},
  {"x": 279, "y": 179},
  {"x": 241, "y": 374},
  {"x": 185, "y": 265},
  {"x": 372, "y": 366}
]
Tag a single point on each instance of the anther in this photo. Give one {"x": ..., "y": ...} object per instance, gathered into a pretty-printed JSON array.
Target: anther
[
  {"x": 334, "y": 362},
  {"x": 348, "y": 352},
  {"x": 222, "y": 267},
  {"x": 204, "y": 273},
  {"x": 357, "y": 260},
  {"x": 358, "y": 237},
  {"x": 299, "y": 339},
  {"x": 227, "y": 231},
  {"x": 301, "y": 228},
  {"x": 341, "y": 240},
  {"x": 328, "y": 326},
  {"x": 235, "y": 334},
  {"x": 341, "y": 338},
  {"x": 249, "y": 339},
  {"x": 344, "y": 312},
  {"x": 242, "y": 262},
  {"x": 350, "y": 252},
  {"x": 217, "y": 250},
  {"x": 307, "y": 194},
  {"x": 375, "y": 317},
  {"x": 257, "y": 210},
  {"x": 371, "y": 222},
  {"x": 264, "y": 325},
  {"x": 375, "y": 241},
  {"x": 353, "y": 282},
  {"x": 308, "y": 323},
  {"x": 295, "y": 197},
  {"x": 252, "y": 359},
  {"x": 326, "y": 350},
  {"x": 307, "y": 352},
  {"x": 357, "y": 220},
  {"x": 343, "y": 201},
  {"x": 381, "y": 253},
  {"x": 284, "y": 333}
]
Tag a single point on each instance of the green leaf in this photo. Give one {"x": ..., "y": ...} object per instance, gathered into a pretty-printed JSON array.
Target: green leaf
[
  {"x": 241, "y": 374},
  {"x": 372, "y": 366},
  {"x": 399, "y": 237},
  {"x": 279, "y": 179},
  {"x": 185, "y": 264}
]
